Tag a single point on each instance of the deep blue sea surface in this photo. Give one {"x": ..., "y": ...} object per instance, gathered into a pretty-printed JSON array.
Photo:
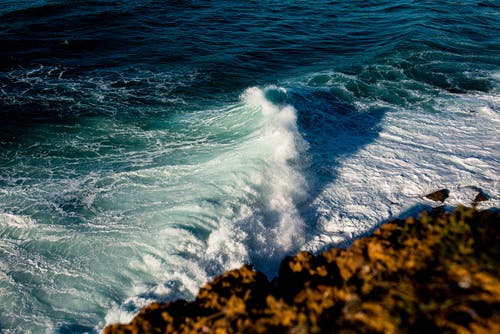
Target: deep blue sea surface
[{"x": 147, "y": 146}]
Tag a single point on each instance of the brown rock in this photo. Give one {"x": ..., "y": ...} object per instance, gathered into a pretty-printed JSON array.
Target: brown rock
[
  {"x": 439, "y": 273},
  {"x": 439, "y": 195},
  {"x": 480, "y": 197}
]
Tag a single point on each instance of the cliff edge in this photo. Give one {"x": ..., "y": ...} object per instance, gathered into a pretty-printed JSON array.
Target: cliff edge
[{"x": 438, "y": 273}]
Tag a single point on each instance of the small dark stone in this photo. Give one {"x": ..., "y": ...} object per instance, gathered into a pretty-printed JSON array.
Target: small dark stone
[
  {"x": 439, "y": 196},
  {"x": 481, "y": 197},
  {"x": 455, "y": 90}
]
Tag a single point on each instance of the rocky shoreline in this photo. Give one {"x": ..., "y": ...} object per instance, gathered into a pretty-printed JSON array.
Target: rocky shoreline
[{"x": 438, "y": 273}]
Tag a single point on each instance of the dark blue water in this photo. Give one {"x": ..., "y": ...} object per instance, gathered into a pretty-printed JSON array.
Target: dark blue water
[{"x": 146, "y": 146}]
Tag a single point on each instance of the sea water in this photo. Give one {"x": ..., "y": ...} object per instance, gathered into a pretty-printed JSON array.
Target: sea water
[{"x": 148, "y": 146}]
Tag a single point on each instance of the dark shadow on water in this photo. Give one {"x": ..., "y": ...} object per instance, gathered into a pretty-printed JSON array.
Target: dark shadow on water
[{"x": 334, "y": 129}]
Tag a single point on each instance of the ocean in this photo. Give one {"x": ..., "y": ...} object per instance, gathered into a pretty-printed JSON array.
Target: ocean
[{"x": 148, "y": 146}]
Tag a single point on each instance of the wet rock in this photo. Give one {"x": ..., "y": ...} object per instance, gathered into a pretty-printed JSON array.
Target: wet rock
[
  {"x": 456, "y": 90},
  {"x": 438, "y": 273},
  {"x": 439, "y": 195},
  {"x": 481, "y": 197}
]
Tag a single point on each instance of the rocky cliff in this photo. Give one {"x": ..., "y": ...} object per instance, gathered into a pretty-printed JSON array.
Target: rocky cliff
[{"x": 438, "y": 273}]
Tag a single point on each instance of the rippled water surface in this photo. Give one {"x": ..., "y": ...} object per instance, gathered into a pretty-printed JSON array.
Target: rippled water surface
[{"x": 147, "y": 146}]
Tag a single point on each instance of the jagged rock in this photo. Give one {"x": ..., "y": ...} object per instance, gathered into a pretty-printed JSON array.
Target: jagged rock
[
  {"x": 481, "y": 197},
  {"x": 439, "y": 273},
  {"x": 439, "y": 196}
]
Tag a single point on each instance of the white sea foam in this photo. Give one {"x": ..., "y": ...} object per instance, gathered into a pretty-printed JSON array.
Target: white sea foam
[
  {"x": 256, "y": 191},
  {"x": 16, "y": 221},
  {"x": 284, "y": 144},
  {"x": 246, "y": 197},
  {"x": 202, "y": 193},
  {"x": 415, "y": 152}
]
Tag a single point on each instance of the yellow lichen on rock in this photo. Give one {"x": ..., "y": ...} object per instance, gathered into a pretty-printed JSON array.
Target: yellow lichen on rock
[{"x": 439, "y": 273}]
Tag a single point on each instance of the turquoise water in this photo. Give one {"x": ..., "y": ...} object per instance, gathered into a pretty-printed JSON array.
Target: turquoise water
[{"x": 148, "y": 146}]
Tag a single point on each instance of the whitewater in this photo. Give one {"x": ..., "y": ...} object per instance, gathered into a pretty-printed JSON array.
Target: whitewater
[{"x": 146, "y": 148}]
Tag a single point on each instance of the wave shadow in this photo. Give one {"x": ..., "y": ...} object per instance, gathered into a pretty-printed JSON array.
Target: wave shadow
[{"x": 334, "y": 129}]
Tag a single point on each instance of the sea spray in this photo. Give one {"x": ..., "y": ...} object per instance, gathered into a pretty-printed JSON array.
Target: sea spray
[
  {"x": 258, "y": 185},
  {"x": 286, "y": 184},
  {"x": 275, "y": 226}
]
